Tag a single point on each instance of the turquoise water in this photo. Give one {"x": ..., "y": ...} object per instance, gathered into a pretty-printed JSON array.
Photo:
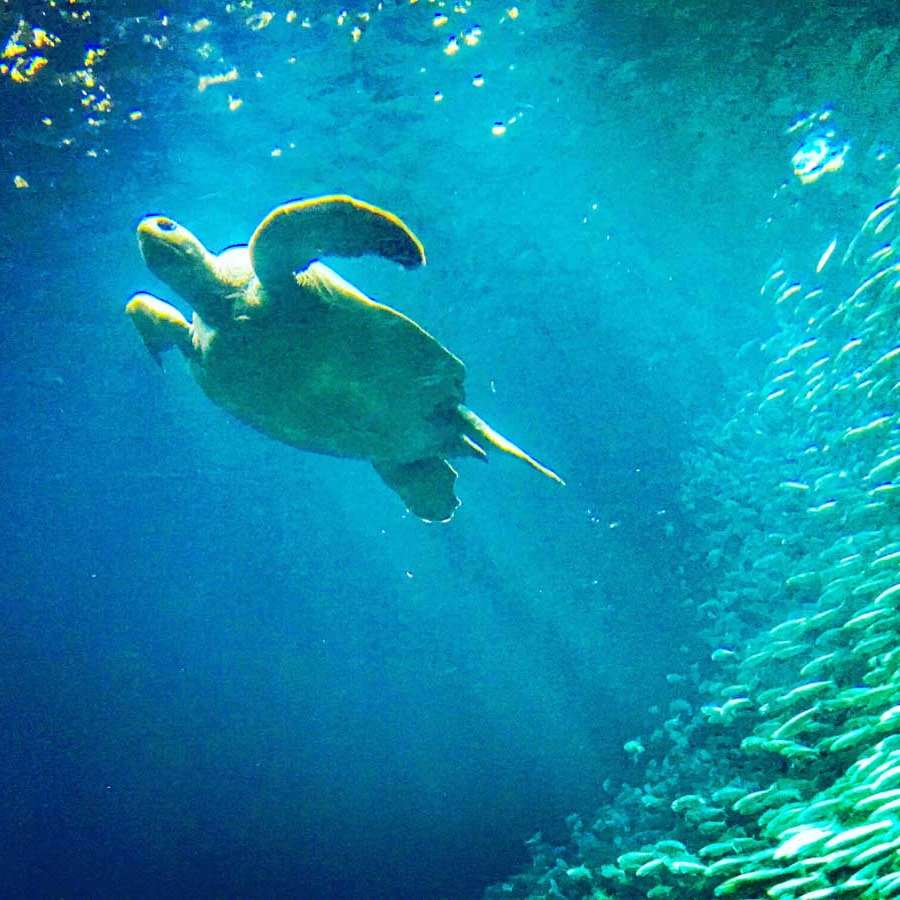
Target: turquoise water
[{"x": 663, "y": 243}]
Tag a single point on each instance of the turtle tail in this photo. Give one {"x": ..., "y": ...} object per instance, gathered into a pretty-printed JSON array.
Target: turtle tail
[{"x": 478, "y": 428}]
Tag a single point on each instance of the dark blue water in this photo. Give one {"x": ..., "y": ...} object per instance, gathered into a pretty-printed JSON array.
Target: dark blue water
[{"x": 232, "y": 669}]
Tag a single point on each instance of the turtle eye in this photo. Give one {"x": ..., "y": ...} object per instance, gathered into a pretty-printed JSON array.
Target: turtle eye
[{"x": 165, "y": 225}]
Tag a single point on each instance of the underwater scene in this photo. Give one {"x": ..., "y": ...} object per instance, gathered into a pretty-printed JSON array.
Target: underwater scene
[{"x": 451, "y": 449}]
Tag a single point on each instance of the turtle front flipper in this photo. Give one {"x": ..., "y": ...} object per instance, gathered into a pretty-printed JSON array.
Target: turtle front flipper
[
  {"x": 425, "y": 486},
  {"x": 159, "y": 324},
  {"x": 297, "y": 233}
]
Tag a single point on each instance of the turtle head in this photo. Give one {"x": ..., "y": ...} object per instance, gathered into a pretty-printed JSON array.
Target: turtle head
[{"x": 177, "y": 257}]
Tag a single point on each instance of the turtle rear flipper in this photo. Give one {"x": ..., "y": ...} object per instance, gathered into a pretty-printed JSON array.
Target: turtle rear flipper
[
  {"x": 425, "y": 486},
  {"x": 297, "y": 233},
  {"x": 159, "y": 324}
]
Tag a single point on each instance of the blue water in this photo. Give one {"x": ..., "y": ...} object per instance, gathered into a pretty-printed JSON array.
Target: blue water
[{"x": 230, "y": 668}]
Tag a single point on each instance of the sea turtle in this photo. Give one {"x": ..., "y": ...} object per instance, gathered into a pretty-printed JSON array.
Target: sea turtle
[{"x": 286, "y": 345}]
